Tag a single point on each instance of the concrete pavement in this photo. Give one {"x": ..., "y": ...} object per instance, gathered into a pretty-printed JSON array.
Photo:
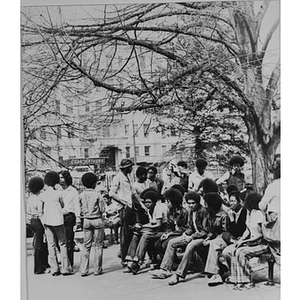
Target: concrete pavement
[{"x": 113, "y": 284}]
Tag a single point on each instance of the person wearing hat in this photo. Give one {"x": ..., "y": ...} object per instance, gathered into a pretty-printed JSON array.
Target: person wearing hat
[
  {"x": 235, "y": 176},
  {"x": 121, "y": 191},
  {"x": 198, "y": 175}
]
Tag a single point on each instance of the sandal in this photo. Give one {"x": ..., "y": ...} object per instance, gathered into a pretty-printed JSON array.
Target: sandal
[
  {"x": 173, "y": 280},
  {"x": 238, "y": 287}
]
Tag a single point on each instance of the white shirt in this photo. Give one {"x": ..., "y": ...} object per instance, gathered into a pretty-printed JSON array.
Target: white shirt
[
  {"x": 121, "y": 186},
  {"x": 254, "y": 218},
  {"x": 195, "y": 179},
  {"x": 271, "y": 198},
  {"x": 52, "y": 213},
  {"x": 71, "y": 201}
]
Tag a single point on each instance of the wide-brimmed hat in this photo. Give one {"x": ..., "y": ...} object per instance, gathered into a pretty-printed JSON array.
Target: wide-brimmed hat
[
  {"x": 236, "y": 160},
  {"x": 125, "y": 163}
]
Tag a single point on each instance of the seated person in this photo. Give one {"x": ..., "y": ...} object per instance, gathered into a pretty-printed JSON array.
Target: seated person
[
  {"x": 112, "y": 218},
  {"x": 190, "y": 240},
  {"x": 157, "y": 216},
  {"x": 177, "y": 220},
  {"x": 236, "y": 227}
]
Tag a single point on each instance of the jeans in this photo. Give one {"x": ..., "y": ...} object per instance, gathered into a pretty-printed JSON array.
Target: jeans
[
  {"x": 93, "y": 231},
  {"x": 170, "y": 254},
  {"x": 212, "y": 264},
  {"x": 40, "y": 248},
  {"x": 146, "y": 243},
  {"x": 69, "y": 223},
  {"x": 54, "y": 233},
  {"x": 127, "y": 218}
]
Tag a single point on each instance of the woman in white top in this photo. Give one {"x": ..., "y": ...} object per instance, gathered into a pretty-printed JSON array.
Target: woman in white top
[
  {"x": 51, "y": 214},
  {"x": 249, "y": 245}
]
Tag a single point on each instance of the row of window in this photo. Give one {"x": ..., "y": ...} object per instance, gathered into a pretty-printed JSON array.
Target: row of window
[{"x": 146, "y": 151}]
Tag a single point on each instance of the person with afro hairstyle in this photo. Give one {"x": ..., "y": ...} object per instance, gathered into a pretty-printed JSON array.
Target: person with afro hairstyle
[
  {"x": 190, "y": 241},
  {"x": 198, "y": 175},
  {"x": 51, "y": 214},
  {"x": 235, "y": 176},
  {"x": 154, "y": 181},
  {"x": 35, "y": 186},
  {"x": 92, "y": 208},
  {"x": 251, "y": 244},
  {"x": 236, "y": 227},
  {"x": 177, "y": 218},
  {"x": 150, "y": 232}
]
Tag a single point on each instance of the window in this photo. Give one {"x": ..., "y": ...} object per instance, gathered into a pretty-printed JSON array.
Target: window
[
  {"x": 57, "y": 106},
  {"x": 173, "y": 131},
  {"x": 136, "y": 130},
  {"x": 137, "y": 151},
  {"x": 43, "y": 134},
  {"x": 127, "y": 149},
  {"x": 163, "y": 133},
  {"x": 99, "y": 106},
  {"x": 147, "y": 150},
  {"x": 164, "y": 149},
  {"x": 58, "y": 132},
  {"x": 142, "y": 62},
  {"x": 87, "y": 108},
  {"x": 146, "y": 130},
  {"x": 105, "y": 131},
  {"x": 85, "y": 128},
  {"x": 71, "y": 134},
  {"x": 86, "y": 153},
  {"x": 126, "y": 128},
  {"x": 69, "y": 107}
]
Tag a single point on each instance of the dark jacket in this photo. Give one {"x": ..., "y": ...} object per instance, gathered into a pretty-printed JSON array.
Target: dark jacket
[
  {"x": 237, "y": 228},
  {"x": 178, "y": 221},
  {"x": 201, "y": 231}
]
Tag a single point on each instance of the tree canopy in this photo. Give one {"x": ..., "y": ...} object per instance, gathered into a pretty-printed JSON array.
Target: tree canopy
[{"x": 205, "y": 64}]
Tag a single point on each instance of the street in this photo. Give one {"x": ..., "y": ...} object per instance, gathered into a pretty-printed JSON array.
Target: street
[{"x": 113, "y": 284}]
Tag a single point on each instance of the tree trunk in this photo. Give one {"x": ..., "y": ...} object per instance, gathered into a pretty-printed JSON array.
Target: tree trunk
[{"x": 260, "y": 161}]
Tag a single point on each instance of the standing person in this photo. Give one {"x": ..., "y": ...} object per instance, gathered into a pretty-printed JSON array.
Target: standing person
[
  {"x": 235, "y": 176},
  {"x": 51, "y": 214},
  {"x": 71, "y": 210},
  {"x": 184, "y": 174},
  {"x": 270, "y": 205},
  {"x": 139, "y": 186},
  {"x": 198, "y": 175},
  {"x": 122, "y": 192},
  {"x": 35, "y": 186},
  {"x": 172, "y": 177},
  {"x": 190, "y": 240},
  {"x": 154, "y": 181},
  {"x": 250, "y": 244},
  {"x": 92, "y": 208}
]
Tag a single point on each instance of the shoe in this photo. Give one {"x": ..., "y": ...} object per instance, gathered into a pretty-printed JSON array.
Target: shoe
[
  {"x": 127, "y": 270},
  {"x": 69, "y": 273},
  {"x": 160, "y": 274},
  {"x": 97, "y": 274},
  {"x": 56, "y": 273},
  {"x": 173, "y": 280},
  {"x": 215, "y": 280},
  {"x": 135, "y": 267},
  {"x": 47, "y": 271},
  {"x": 104, "y": 246},
  {"x": 84, "y": 274}
]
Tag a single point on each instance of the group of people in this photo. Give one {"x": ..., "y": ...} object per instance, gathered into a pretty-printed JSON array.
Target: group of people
[{"x": 177, "y": 222}]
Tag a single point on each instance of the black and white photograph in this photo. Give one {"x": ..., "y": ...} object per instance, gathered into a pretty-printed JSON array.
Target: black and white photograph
[{"x": 150, "y": 150}]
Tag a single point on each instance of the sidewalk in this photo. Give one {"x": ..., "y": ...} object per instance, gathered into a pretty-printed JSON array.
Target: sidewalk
[{"x": 116, "y": 285}]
